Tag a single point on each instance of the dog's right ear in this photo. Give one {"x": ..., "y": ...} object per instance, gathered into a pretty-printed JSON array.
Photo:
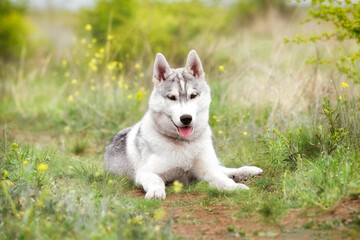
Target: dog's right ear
[{"x": 162, "y": 69}]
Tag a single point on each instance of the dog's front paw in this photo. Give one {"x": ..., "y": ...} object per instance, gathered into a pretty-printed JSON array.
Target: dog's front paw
[
  {"x": 158, "y": 193},
  {"x": 240, "y": 186},
  {"x": 247, "y": 171}
]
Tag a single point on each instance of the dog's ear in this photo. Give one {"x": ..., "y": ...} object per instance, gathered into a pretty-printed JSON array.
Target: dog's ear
[
  {"x": 162, "y": 69},
  {"x": 194, "y": 66}
]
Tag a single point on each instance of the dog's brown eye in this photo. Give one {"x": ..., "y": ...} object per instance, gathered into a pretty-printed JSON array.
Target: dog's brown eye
[
  {"x": 172, "y": 98},
  {"x": 193, "y": 95}
]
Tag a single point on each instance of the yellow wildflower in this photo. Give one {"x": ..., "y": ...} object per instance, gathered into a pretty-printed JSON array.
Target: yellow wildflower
[
  {"x": 129, "y": 96},
  {"x": 160, "y": 213},
  {"x": 136, "y": 220},
  {"x": 220, "y": 132},
  {"x": 112, "y": 78},
  {"x": 139, "y": 95},
  {"x": 83, "y": 41},
  {"x": 42, "y": 167},
  {"x": 70, "y": 98},
  {"x": 339, "y": 98},
  {"x": 102, "y": 50},
  {"x": 177, "y": 186},
  {"x": 109, "y": 182},
  {"x": 74, "y": 81},
  {"x": 245, "y": 133},
  {"x": 94, "y": 40},
  {"x": 5, "y": 173},
  {"x": 94, "y": 68},
  {"x": 344, "y": 84},
  {"x": 214, "y": 117},
  {"x": 141, "y": 75},
  {"x": 92, "y": 88},
  {"x": 25, "y": 162},
  {"x": 64, "y": 63},
  {"x": 221, "y": 68},
  {"x": 110, "y": 37},
  {"x": 8, "y": 182},
  {"x": 88, "y": 27},
  {"x": 137, "y": 66}
]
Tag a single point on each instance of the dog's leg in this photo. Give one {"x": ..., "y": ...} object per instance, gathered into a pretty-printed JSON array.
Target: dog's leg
[
  {"x": 152, "y": 183},
  {"x": 207, "y": 168},
  {"x": 241, "y": 173}
]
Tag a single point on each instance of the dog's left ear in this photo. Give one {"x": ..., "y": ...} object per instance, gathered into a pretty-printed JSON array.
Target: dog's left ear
[{"x": 194, "y": 66}]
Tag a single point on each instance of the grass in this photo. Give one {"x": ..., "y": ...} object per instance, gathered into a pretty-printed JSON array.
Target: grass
[{"x": 267, "y": 110}]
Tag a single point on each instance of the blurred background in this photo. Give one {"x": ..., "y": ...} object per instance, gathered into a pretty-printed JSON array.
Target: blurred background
[{"x": 88, "y": 64}]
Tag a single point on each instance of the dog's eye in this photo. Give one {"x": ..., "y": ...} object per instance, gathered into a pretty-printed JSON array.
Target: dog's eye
[
  {"x": 171, "y": 97},
  {"x": 193, "y": 95}
]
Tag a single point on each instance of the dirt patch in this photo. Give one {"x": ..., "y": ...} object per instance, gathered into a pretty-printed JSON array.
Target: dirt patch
[{"x": 193, "y": 220}]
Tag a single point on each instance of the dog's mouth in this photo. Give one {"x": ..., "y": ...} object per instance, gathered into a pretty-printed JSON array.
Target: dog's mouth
[{"x": 185, "y": 131}]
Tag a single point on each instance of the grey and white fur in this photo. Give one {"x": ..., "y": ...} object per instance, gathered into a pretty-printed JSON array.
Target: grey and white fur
[{"x": 173, "y": 140}]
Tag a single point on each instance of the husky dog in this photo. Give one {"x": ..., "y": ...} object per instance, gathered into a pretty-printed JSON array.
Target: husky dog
[{"x": 173, "y": 139}]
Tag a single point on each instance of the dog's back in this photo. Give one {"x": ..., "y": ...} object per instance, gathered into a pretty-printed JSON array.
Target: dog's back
[{"x": 116, "y": 157}]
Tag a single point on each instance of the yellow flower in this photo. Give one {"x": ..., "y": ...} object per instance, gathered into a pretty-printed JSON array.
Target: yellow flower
[
  {"x": 88, "y": 27},
  {"x": 137, "y": 66},
  {"x": 141, "y": 75},
  {"x": 220, "y": 132},
  {"x": 344, "y": 84},
  {"x": 129, "y": 96},
  {"x": 92, "y": 88},
  {"x": 109, "y": 182},
  {"x": 340, "y": 98},
  {"x": 42, "y": 167},
  {"x": 8, "y": 182},
  {"x": 5, "y": 173},
  {"x": 110, "y": 37},
  {"x": 160, "y": 213},
  {"x": 221, "y": 68},
  {"x": 177, "y": 186},
  {"x": 25, "y": 162},
  {"x": 245, "y": 133},
  {"x": 136, "y": 220},
  {"x": 70, "y": 98},
  {"x": 139, "y": 95},
  {"x": 102, "y": 50},
  {"x": 83, "y": 41},
  {"x": 74, "y": 81},
  {"x": 94, "y": 68},
  {"x": 214, "y": 117},
  {"x": 94, "y": 40},
  {"x": 113, "y": 78},
  {"x": 64, "y": 63}
]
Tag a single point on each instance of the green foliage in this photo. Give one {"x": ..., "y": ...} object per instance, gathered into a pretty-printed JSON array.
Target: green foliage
[
  {"x": 14, "y": 29},
  {"x": 142, "y": 28},
  {"x": 344, "y": 16}
]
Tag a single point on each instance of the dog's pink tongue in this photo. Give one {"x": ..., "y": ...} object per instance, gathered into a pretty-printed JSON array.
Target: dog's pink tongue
[{"x": 185, "y": 131}]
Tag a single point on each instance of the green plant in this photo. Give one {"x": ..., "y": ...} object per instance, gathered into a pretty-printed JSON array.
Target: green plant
[{"x": 344, "y": 17}]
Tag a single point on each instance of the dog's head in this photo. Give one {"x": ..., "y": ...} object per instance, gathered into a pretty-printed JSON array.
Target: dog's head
[{"x": 181, "y": 99}]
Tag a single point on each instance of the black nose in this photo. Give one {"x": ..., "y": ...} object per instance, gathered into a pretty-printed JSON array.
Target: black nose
[{"x": 186, "y": 119}]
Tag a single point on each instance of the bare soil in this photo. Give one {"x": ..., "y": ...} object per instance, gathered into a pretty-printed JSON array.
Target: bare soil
[{"x": 193, "y": 221}]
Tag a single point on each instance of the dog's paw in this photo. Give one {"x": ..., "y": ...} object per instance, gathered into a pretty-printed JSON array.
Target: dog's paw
[
  {"x": 247, "y": 171},
  {"x": 158, "y": 193},
  {"x": 240, "y": 186}
]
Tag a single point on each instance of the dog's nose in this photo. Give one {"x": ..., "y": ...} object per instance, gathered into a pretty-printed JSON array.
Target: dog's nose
[{"x": 186, "y": 119}]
